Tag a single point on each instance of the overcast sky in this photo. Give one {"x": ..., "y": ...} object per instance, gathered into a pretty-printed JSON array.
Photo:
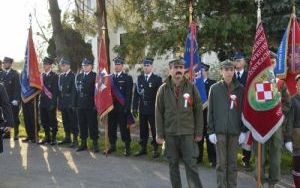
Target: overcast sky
[{"x": 15, "y": 23}]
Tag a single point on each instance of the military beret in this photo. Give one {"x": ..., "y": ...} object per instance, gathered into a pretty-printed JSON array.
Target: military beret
[
  {"x": 148, "y": 61},
  {"x": 297, "y": 78},
  {"x": 273, "y": 55},
  {"x": 85, "y": 61},
  {"x": 8, "y": 60},
  {"x": 204, "y": 66},
  {"x": 48, "y": 60},
  {"x": 118, "y": 60},
  {"x": 226, "y": 63},
  {"x": 64, "y": 61},
  {"x": 238, "y": 55},
  {"x": 179, "y": 61}
]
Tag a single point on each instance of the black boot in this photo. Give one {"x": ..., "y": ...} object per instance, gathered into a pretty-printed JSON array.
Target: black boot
[
  {"x": 111, "y": 149},
  {"x": 83, "y": 145},
  {"x": 47, "y": 139},
  {"x": 143, "y": 150},
  {"x": 53, "y": 139},
  {"x": 16, "y": 133},
  {"x": 6, "y": 135},
  {"x": 66, "y": 140},
  {"x": 155, "y": 151},
  {"x": 95, "y": 146},
  {"x": 75, "y": 141},
  {"x": 127, "y": 151}
]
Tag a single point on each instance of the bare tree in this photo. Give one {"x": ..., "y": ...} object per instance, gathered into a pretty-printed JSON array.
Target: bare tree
[{"x": 58, "y": 32}]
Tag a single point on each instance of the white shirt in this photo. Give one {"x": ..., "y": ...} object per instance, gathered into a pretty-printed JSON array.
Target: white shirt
[
  {"x": 241, "y": 73},
  {"x": 148, "y": 76}
]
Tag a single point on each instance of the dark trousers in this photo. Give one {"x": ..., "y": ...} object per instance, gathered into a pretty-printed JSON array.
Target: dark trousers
[
  {"x": 145, "y": 121},
  {"x": 16, "y": 110},
  {"x": 69, "y": 120},
  {"x": 88, "y": 123},
  {"x": 246, "y": 156},
  {"x": 210, "y": 148},
  {"x": 114, "y": 119},
  {"x": 48, "y": 119},
  {"x": 28, "y": 115}
]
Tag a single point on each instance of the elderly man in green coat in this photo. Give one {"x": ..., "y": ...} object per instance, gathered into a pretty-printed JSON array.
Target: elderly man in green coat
[
  {"x": 179, "y": 120},
  {"x": 225, "y": 125}
]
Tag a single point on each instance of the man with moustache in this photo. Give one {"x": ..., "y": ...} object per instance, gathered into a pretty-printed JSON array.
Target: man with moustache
[{"x": 179, "y": 120}]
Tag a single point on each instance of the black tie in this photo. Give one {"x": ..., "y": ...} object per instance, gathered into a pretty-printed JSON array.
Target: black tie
[
  {"x": 238, "y": 76},
  {"x": 146, "y": 78}
]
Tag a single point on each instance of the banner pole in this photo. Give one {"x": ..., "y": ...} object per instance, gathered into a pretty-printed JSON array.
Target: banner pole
[
  {"x": 35, "y": 121},
  {"x": 258, "y": 165}
]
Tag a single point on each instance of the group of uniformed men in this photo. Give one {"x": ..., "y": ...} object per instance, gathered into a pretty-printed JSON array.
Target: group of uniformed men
[{"x": 73, "y": 95}]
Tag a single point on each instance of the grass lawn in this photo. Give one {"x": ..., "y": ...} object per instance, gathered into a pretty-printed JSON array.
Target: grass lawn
[{"x": 285, "y": 162}]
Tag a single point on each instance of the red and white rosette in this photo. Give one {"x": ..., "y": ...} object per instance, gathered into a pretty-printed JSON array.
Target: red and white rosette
[
  {"x": 233, "y": 101},
  {"x": 187, "y": 99}
]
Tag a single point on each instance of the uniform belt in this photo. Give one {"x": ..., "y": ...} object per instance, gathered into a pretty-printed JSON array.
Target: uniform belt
[{"x": 147, "y": 103}]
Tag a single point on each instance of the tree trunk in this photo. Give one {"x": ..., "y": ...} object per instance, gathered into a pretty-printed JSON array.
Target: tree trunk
[
  {"x": 58, "y": 32},
  {"x": 102, "y": 21}
]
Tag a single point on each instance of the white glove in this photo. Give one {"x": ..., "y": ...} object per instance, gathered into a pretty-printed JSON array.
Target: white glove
[
  {"x": 289, "y": 146},
  {"x": 242, "y": 138},
  {"x": 14, "y": 102},
  {"x": 212, "y": 138}
]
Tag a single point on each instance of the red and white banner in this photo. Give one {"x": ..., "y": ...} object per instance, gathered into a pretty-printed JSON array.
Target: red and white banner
[{"x": 261, "y": 106}]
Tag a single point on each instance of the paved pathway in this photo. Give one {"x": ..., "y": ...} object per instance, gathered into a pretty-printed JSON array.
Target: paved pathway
[{"x": 33, "y": 166}]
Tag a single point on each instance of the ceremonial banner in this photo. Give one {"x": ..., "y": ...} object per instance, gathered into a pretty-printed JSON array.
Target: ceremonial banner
[
  {"x": 31, "y": 84},
  {"x": 262, "y": 112},
  {"x": 192, "y": 62},
  {"x": 288, "y": 55},
  {"x": 103, "y": 97}
]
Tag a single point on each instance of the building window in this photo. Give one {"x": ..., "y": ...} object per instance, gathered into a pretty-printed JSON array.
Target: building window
[{"x": 89, "y": 4}]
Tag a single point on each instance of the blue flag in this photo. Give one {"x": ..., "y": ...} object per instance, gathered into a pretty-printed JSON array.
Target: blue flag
[
  {"x": 192, "y": 62},
  {"x": 280, "y": 67}
]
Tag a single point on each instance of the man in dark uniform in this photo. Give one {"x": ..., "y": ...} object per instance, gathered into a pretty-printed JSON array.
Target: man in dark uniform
[
  {"x": 48, "y": 102},
  {"x": 144, "y": 101},
  {"x": 6, "y": 115},
  {"x": 11, "y": 80},
  {"x": 87, "y": 114},
  {"x": 122, "y": 97},
  {"x": 66, "y": 102},
  {"x": 241, "y": 75},
  {"x": 29, "y": 119},
  {"x": 211, "y": 152}
]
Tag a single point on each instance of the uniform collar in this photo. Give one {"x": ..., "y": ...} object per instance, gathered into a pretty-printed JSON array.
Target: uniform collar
[
  {"x": 241, "y": 72},
  {"x": 66, "y": 73},
  {"x": 47, "y": 73}
]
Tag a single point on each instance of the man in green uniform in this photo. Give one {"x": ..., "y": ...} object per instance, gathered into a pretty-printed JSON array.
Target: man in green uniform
[
  {"x": 224, "y": 124},
  {"x": 271, "y": 150},
  {"x": 179, "y": 120}
]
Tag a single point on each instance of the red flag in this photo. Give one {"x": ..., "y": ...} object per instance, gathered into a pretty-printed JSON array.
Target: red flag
[
  {"x": 31, "y": 84},
  {"x": 34, "y": 78},
  {"x": 293, "y": 55},
  {"x": 262, "y": 112},
  {"x": 103, "y": 98}
]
